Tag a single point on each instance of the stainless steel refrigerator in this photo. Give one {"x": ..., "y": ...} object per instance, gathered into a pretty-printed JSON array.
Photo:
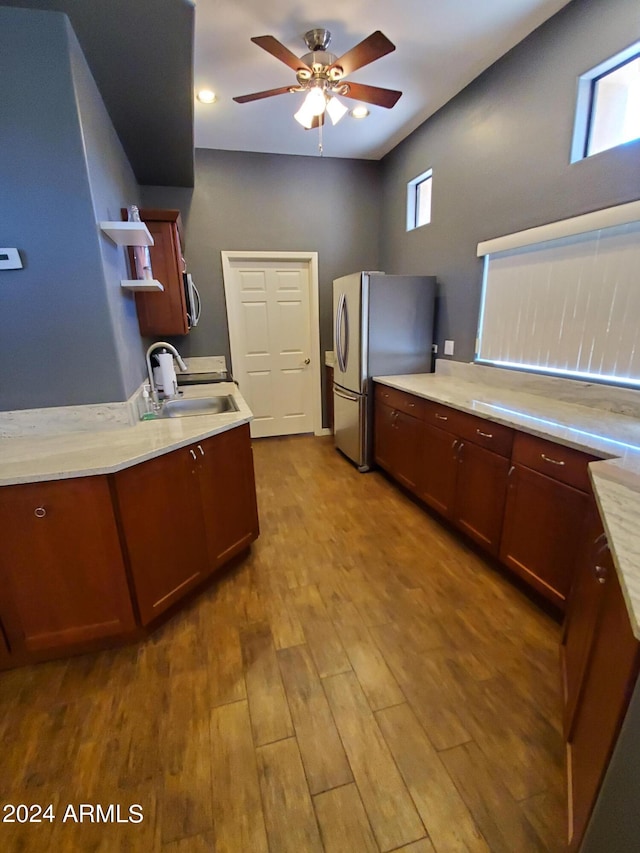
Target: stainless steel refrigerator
[{"x": 383, "y": 325}]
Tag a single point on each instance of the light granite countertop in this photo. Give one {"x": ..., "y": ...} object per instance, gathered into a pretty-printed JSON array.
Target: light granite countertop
[
  {"x": 614, "y": 437},
  {"x": 62, "y": 455}
]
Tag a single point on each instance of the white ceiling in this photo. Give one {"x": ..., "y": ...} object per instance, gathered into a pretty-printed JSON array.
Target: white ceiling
[{"x": 441, "y": 45}]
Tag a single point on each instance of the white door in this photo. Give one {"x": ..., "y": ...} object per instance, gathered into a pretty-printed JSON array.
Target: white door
[{"x": 268, "y": 306}]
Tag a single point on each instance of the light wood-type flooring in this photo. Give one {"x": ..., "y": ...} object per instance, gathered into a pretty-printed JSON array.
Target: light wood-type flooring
[{"x": 361, "y": 681}]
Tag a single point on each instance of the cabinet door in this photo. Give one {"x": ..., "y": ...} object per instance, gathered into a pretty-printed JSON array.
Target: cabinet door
[
  {"x": 583, "y": 611},
  {"x": 228, "y": 494},
  {"x": 164, "y": 312},
  {"x": 481, "y": 489},
  {"x": 438, "y": 469},
  {"x": 407, "y": 437},
  {"x": 609, "y": 680},
  {"x": 5, "y": 655},
  {"x": 61, "y": 565},
  {"x": 161, "y": 517},
  {"x": 384, "y": 437},
  {"x": 543, "y": 527}
]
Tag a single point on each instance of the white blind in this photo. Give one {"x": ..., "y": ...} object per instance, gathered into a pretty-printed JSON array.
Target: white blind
[{"x": 569, "y": 305}]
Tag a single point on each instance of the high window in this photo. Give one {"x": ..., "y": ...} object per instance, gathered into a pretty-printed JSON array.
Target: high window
[
  {"x": 608, "y": 106},
  {"x": 419, "y": 200}
]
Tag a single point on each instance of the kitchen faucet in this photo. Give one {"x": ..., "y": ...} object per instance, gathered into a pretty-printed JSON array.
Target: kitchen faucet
[{"x": 152, "y": 384}]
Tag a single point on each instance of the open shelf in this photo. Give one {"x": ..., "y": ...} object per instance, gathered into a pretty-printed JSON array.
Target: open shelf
[
  {"x": 127, "y": 233},
  {"x": 146, "y": 284}
]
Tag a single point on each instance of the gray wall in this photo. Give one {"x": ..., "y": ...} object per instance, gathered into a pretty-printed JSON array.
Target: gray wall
[
  {"x": 57, "y": 342},
  {"x": 500, "y": 158},
  {"x": 272, "y": 202}
]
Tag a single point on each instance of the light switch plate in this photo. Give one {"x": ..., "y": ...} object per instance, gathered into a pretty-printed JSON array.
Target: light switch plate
[
  {"x": 10, "y": 259},
  {"x": 448, "y": 347}
]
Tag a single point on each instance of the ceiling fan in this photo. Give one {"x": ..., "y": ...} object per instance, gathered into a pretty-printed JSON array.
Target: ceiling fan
[{"x": 320, "y": 74}]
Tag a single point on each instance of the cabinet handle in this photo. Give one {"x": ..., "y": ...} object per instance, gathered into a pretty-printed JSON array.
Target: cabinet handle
[
  {"x": 411, "y": 405},
  {"x": 600, "y": 573},
  {"x": 602, "y": 537},
  {"x": 553, "y": 461},
  {"x": 192, "y": 452},
  {"x": 484, "y": 434},
  {"x": 201, "y": 450},
  {"x": 441, "y": 417},
  {"x": 40, "y": 512},
  {"x": 455, "y": 441},
  {"x": 459, "y": 454}
]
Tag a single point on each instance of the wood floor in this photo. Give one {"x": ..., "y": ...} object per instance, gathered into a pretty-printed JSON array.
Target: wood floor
[{"x": 362, "y": 681}]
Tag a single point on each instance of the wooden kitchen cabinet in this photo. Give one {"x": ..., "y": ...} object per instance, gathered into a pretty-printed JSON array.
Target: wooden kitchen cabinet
[
  {"x": 5, "y": 654},
  {"x": 583, "y": 612},
  {"x": 481, "y": 489},
  {"x": 545, "y": 515},
  {"x": 398, "y": 444},
  {"x": 163, "y": 312},
  {"x": 605, "y": 688},
  {"x": 61, "y": 567},
  {"x": 228, "y": 494},
  {"x": 161, "y": 515},
  {"x": 438, "y": 469},
  {"x": 184, "y": 514}
]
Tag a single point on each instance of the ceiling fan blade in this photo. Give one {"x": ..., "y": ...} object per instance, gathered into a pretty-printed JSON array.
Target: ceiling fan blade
[
  {"x": 372, "y": 48},
  {"x": 257, "y": 96},
  {"x": 277, "y": 49},
  {"x": 372, "y": 95}
]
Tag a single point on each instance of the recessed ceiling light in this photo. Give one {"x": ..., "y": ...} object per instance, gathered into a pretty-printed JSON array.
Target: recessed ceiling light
[
  {"x": 359, "y": 112},
  {"x": 206, "y": 96}
]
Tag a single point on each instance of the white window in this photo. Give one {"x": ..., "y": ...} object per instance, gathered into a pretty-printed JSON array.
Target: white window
[
  {"x": 608, "y": 106},
  {"x": 419, "y": 200},
  {"x": 564, "y": 298}
]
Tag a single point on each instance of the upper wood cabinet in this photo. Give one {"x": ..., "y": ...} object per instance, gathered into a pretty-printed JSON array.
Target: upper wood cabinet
[
  {"x": 61, "y": 566},
  {"x": 163, "y": 312}
]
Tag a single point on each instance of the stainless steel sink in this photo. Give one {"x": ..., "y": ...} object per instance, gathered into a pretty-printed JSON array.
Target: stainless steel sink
[{"x": 197, "y": 406}]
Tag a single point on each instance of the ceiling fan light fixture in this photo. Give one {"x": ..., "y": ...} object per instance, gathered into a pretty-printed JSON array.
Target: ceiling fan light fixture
[
  {"x": 315, "y": 102},
  {"x": 336, "y": 109},
  {"x": 304, "y": 117}
]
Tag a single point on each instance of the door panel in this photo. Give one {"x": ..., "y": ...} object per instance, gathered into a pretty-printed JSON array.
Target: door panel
[{"x": 268, "y": 305}]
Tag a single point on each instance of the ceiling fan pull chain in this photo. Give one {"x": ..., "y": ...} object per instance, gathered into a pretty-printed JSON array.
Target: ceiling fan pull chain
[{"x": 320, "y": 148}]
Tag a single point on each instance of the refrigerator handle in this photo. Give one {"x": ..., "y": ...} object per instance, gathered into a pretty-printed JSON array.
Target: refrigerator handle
[
  {"x": 345, "y": 316},
  {"x": 345, "y": 396},
  {"x": 338, "y": 330}
]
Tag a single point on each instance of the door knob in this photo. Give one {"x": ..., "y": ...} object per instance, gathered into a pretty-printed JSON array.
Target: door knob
[{"x": 307, "y": 361}]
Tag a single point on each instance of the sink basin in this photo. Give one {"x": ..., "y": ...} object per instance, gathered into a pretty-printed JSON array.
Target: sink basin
[{"x": 198, "y": 406}]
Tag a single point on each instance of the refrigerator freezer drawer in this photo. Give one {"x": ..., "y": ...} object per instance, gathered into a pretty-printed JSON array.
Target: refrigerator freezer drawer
[{"x": 349, "y": 419}]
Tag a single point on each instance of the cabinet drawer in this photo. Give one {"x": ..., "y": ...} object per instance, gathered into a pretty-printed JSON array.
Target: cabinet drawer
[
  {"x": 442, "y": 417},
  {"x": 495, "y": 437},
  {"x": 400, "y": 400},
  {"x": 555, "y": 460}
]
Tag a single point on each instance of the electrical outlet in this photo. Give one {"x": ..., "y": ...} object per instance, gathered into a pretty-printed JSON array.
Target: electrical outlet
[
  {"x": 434, "y": 349},
  {"x": 448, "y": 347}
]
